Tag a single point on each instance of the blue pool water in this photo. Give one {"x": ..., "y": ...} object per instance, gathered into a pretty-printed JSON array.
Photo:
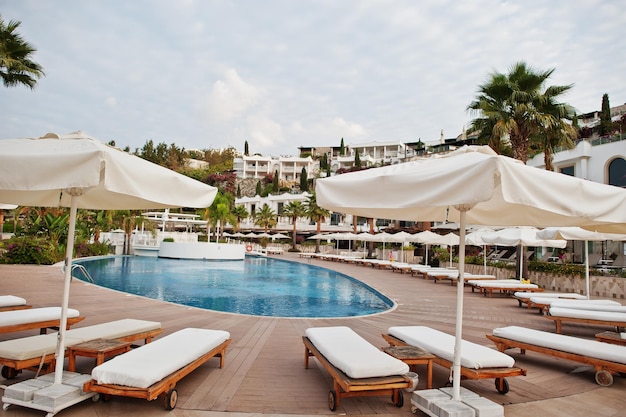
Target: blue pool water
[{"x": 256, "y": 286}]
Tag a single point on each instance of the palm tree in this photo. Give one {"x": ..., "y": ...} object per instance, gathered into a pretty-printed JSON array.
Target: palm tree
[
  {"x": 556, "y": 130},
  {"x": 240, "y": 213},
  {"x": 16, "y": 66},
  {"x": 219, "y": 213},
  {"x": 513, "y": 105},
  {"x": 294, "y": 209},
  {"x": 265, "y": 217},
  {"x": 317, "y": 214}
]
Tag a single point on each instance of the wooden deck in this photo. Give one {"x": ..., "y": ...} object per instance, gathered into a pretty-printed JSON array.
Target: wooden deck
[{"x": 264, "y": 374}]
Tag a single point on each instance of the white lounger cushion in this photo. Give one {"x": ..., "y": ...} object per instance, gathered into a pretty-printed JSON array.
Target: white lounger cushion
[
  {"x": 441, "y": 344},
  {"x": 599, "y": 305},
  {"x": 11, "y": 300},
  {"x": 500, "y": 284},
  {"x": 113, "y": 329},
  {"x": 33, "y": 315},
  {"x": 558, "y": 295},
  {"x": 45, "y": 344},
  {"x": 588, "y": 314},
  {"x": 151, "y": 363},
  {"x": 355, "y": 356},
  {"x": 576, "y": 345}
]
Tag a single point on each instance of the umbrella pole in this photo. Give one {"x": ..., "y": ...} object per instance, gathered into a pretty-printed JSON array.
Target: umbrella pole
[
  {"x": 60, "y": 352},
  {"x": 456, "y": 367},
  {"x": 587, "y": 269}
]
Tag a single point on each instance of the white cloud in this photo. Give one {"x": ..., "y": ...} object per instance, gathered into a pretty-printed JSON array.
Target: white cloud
[{"x": 230, "y": 97}]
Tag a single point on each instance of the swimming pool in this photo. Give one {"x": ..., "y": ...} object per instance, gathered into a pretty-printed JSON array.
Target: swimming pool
[{"x": 256, "y": 286}]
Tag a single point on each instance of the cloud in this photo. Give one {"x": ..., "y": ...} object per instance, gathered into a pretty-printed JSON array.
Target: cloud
[{"x": 230, "y": 97}]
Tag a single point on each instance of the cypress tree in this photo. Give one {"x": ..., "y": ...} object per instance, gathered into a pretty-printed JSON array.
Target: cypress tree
[
  {"x": 342, "y": 149},
  {"x": 605, "y": 117},
  {"x": 357, "y": 159},
  {"x": 304, "y": 181},
  {"x": 275, "y": 182},
  {"x": 245, "y": 149}
]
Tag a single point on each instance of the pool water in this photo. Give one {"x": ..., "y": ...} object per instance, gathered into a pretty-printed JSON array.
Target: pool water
[{"x": 256, "y": 286}]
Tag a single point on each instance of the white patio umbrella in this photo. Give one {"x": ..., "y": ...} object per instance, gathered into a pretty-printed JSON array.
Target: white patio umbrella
[
  {"x": 77, "y": 171},
  {"x": 403, "y": 237},
  {"x": 576, "y": 233},
  {"x": 475, "y": 238},
  {"x": 280, "y": 236},
  {"x": 448, "y": 240},
  {"x": 521, "y": 236},
  {"x": 382, "y": 237},
  {"x": 426, "y": 238},
  {"x": 473, "y": 185}
]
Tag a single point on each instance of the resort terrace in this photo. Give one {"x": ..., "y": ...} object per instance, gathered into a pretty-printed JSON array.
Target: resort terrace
[{"x": 264, "y": 371}]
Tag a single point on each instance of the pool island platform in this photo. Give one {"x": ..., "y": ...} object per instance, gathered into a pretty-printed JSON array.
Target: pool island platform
[{"x": 263, "y": 374}]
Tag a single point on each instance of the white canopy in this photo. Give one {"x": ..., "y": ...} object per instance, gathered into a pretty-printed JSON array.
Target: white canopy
[{"x": 499, "y": 190}]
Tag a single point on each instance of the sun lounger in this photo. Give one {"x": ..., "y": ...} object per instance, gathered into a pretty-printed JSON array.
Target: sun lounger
[
  {"x": 595, "y": 317},
  {"x": 37, "y": 352},
  {"x": 606, "y": 358},
  {"x": 477, "y": 361},
  {"x": 152, "y": 371},
  {"x": 524, "y": 297},
  {"x": 36, "y": 318},
  {"x": 502, "y": 286},
  {"x": 358, "y": 368},
  {"x": 11, "y": 302}
]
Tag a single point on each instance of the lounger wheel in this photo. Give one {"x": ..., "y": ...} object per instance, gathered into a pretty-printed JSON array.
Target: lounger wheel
[
  {"x": 400, "y": 401},
  {"x": 505, "y": 385},
  {"x": 171, "y": 399},
  {"x": 332, "y": 400},
  {"x": 604, "y": 378},
  {"x": 8, "y": 372}
]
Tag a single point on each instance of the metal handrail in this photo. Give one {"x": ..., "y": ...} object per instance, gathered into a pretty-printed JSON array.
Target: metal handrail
[{"x": 82, "y": 269}]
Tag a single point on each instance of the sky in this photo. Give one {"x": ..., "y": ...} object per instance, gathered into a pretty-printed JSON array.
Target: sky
[{"x": 283, "y": 74}]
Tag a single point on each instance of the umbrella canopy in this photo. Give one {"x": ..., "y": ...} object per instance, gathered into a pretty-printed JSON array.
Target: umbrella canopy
[
  {"x": 450, "y": 240},
  {"x": 78, "y": 171},
  {"x": 526, "y": 236},
  {"x": 521, "y": 236},
  {"x": 473, "y": 185},
  {"x": 576, "y": 233},
  {"x": 279, "y": 236},
  {"x": 475, "y": 238}
]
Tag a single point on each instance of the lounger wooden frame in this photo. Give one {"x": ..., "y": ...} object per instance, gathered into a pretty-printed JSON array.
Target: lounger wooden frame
[
  {"x": 502, "y": 386},
  {"x": 165, "y": 388},
  {"x": 344, "y": 386},
  {"x": 43, "y": 365},
  {"x": 558, "y": 321},
  {"x": 604, "y": 369},
  {"x": 43, "y": 326},
  {"x": 16, "y": 307},
  {"x": 508, "y": 290}
]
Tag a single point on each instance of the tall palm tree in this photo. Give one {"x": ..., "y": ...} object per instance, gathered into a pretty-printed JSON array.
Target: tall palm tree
[
  {"x": 265, "y": 217},
  {"x": 240, "y": 213},
  {"x": 294, "y": 210},
  {"x": 317, "y": 214},
  {"x": 219, "y": 212},
  {"x": 513, "y": 105},
  {"x": 16, "y": 65},
  {"x": 556, "y": 130}
]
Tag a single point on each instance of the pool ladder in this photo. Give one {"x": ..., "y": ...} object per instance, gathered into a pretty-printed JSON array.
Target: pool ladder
[{"x": 83, "y": 270}]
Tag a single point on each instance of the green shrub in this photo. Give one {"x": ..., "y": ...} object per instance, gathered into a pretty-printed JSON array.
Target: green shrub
[
  {"x": 168, "y": 239},
  {"x": 84, "y": 249},
  {"x": 31, "y": 250}
]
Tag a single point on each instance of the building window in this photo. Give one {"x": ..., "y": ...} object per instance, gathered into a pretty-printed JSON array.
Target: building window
[
  {"x": 617, "y": 172},
  {"x": 569, "y": 170}
]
